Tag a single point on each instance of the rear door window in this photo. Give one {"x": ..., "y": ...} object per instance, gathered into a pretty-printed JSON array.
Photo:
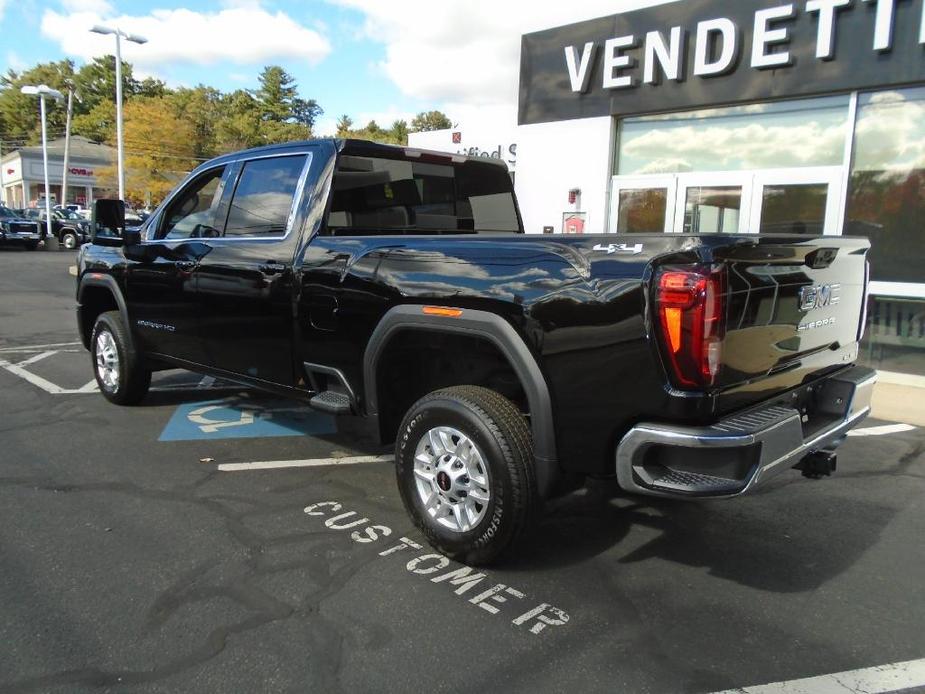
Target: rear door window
[
  {"x": 263, "y": 198},
  {"x": 374, "y": 195}
]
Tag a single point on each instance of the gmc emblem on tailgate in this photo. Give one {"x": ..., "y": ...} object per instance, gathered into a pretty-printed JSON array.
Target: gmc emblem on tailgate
[{"x": 819, "y": 296}]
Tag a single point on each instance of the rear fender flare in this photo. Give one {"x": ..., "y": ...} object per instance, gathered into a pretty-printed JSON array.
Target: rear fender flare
[{"x": 502, "y": 335}]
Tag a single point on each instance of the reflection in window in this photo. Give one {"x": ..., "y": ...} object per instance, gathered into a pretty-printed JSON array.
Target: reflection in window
[
  {"x": 642, "y": 210},
  {"x": 263, "y": 197},
  {"x": 712, "y": 210},
  {"x": 794, "y": 208},
  {"x": 895, "y": 336},
  {"x": 886, "y": 197},
  {"x": 374, "y": 195},
  {"x": 805, "y": 132},
  {"x": 192, "y": 212}
]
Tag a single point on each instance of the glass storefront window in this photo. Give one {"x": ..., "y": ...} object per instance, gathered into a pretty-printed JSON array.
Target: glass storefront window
[
  {"x": 804, "y": 132},
  {"x": 886, "y": 197},
  {"x": 794, "y": 208},
  {"x": 895, "y": 336}
]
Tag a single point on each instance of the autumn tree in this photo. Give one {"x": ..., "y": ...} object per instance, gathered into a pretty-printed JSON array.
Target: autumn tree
[{"x": 159, "y": 149}]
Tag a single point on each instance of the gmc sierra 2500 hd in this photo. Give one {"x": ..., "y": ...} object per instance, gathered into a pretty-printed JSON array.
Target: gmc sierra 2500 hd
[{"x": 399, "y": 285}]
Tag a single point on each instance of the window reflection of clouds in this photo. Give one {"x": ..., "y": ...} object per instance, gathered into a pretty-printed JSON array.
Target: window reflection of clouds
[
  {"x": 808, "y": 132},
  {"x": 891, "y": 131}
]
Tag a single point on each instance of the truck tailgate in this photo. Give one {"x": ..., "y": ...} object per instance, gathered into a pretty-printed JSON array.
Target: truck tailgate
[{"x": 791, "y": 303}]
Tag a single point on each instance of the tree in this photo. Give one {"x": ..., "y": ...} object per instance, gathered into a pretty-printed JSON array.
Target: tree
[
  {"x": 399, "y": 132},
  {"x": 19, "y": 113},
  {"x": 430, "y": 120},
  {"x": 98, "y": 124},
  {"x": 159, "y": 149},
  {"x": 277, "y": 94},
  {"x": 202, "y": 107},
  {"x": 344, "y": 123},
  {"x": 96, "y": 82},
  {"x": 306, "y": 112},
  {"x": 240, "y": 122}
]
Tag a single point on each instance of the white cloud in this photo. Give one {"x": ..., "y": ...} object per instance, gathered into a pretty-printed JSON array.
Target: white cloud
[
  {"x": 242, "y": 33},
  {"x": 100, "y": 7},
  {"x": 466, "y": 51},
  {"x": 2, "y": 9},
  {"x": 15, "y": 62}
]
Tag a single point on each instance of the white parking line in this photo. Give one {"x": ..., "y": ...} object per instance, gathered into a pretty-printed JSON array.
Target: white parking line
[
  {"x": 872, "y": 680},
  {"x": 39, "y": 382},
  {"x": 37, "y": 348},
  {"x": 881, "y": 430},
  {"x": 315, "y": 462}
]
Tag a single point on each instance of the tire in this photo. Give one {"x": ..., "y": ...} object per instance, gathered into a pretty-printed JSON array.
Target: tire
[
  {"x": 119, "y": 373},
  {"x": 69, "y": 240},
  {"x": 471, "y": 499}
]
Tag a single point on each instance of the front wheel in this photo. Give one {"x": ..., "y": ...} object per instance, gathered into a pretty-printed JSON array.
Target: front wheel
[
  {"x": 69, "y": 240},
  {"x": 464, "y": 463},
  {"x": 121, "y": 377}
]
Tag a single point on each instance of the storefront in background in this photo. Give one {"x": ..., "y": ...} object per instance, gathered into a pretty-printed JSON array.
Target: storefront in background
[
  {"x": 23, "y": 173},
  {"x": 758, "y": 117}
]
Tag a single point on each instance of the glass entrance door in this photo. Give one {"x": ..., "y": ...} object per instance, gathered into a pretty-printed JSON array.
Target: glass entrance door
[
  {"x": 713, "y": 203},
  {"x": 642, "y": 204},
  {"x": 782, "y": 201},
  {"x": 796, "y": 201}
]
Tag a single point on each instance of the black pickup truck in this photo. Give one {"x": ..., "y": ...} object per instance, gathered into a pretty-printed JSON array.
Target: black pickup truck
[{"x": 399, "y": 285}]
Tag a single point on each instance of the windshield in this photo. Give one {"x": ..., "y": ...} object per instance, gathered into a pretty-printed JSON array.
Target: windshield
[
  {"x": 67, "y": 214},
  {"x": 6, "y": 212}
]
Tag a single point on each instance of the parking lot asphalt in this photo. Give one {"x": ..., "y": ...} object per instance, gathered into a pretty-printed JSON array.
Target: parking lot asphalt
[{"x": 135, "y": 557}]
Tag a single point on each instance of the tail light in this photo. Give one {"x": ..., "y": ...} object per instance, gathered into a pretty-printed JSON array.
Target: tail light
[{"x": 690, "y": 305}]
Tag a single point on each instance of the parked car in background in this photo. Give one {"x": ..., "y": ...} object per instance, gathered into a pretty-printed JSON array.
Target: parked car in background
[
  {"x": 17, "y": 230},
  {"x": 68, "y": 227},
  {"x": 79, "y": 210}
]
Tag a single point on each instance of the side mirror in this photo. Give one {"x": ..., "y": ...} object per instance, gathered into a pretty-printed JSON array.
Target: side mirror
[{"x": 107, "y": 225}]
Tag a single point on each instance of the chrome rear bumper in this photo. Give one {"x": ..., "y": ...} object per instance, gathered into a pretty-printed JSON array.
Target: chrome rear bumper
[{"x": 735, "y": 454}]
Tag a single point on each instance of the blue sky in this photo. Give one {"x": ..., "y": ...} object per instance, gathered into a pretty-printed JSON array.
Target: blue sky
[{"x": 382, "y": 59}]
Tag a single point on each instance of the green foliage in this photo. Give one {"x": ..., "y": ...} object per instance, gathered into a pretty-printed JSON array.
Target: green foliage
[
  {"x": 344, "y": 123},
  {"x": 397, "y": 134},
  {"x": 430, "y": 120}
]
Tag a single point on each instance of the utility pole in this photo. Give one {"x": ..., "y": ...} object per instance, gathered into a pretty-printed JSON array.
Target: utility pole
[{"x": 67, "y": 144}]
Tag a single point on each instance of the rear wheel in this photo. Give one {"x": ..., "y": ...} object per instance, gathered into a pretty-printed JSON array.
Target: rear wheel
[
  {"x": 464, "y": 463},
  {"x": 121, "y": 377}
]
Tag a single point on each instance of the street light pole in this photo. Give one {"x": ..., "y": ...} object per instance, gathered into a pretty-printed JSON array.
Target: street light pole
[
  {"x": 67, "y": 144},
  {"x": 120, "y": 152},
  {"x": 42, "y": 91}
]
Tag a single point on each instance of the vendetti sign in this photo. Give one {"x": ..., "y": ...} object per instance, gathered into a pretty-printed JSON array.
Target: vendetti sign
[{"x": 696, "y": 53}]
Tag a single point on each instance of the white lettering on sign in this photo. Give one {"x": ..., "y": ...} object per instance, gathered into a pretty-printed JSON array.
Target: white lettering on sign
[
  {"x": 579, "y": 68},
  {"x": 883, "y": 25},
  {"x": 825, "y": 34},
  {"x": 492, "y": 599},
  {"x": 763, "y": 37},
  {"x": 669, "y": 58},
  {"x": 615, "y": 61},
  {"x": 724, "y": 31}
]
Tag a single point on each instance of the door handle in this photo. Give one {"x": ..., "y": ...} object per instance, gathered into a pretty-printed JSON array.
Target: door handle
[
  {"x": 272, "y": 268},
  {"x": 186, "y": 265}
]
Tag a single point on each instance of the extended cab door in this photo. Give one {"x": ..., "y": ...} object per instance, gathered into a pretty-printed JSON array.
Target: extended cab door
[
  {"x": 245, "y": 281},
  {"x": 160, "y": 285}
]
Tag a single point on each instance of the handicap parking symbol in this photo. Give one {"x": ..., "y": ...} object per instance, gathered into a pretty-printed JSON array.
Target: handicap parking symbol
[{"x": 242, "y": 417}]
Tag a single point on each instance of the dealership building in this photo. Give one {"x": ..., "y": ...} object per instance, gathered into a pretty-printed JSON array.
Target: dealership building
[
  {"x": 22, "y": 173},
  {"x": 751, "y": 117}
]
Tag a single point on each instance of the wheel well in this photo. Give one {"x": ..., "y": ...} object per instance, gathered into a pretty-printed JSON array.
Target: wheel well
[
  {"x": 94, "y": 300},
  {"x": 417, "y": 362}
]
